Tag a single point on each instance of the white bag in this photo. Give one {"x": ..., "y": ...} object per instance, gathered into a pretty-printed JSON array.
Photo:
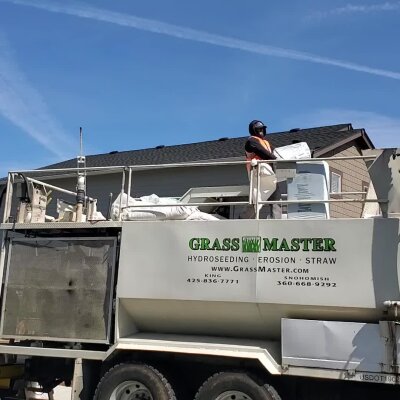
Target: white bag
[
  {"x": 115, "y": 208},
  {"x": 267, "y": 182},
  {"x": 295, "y": 151},
  {"x": 201, "y": 216},
  {"x": 149, "y": 212}
]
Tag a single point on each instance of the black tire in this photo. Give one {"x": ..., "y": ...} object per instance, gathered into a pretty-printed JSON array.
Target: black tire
[
  {"x": 225, "y": 382},
  {"x": 149, "y": 377}
]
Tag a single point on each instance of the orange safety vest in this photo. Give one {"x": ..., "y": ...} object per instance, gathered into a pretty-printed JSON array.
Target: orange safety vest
[{"x": 253, "y": 156}]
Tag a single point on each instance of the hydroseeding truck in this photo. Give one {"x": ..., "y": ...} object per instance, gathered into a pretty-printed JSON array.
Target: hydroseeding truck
[{"x": 163, "y": 299}]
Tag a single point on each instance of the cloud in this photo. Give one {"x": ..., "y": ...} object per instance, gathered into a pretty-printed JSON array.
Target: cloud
[
  {"x": 21, "y": 104},
  {"x": 162, "y": 28},
  {"x": 358, "y": 9},
  {"x": 383, "y": 130}
]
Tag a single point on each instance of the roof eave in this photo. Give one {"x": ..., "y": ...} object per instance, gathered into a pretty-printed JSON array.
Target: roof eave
[{"x": 357, "y": 135}]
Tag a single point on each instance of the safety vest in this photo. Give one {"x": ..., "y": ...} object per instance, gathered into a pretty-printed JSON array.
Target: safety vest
[{"x": 253, "y": 156}]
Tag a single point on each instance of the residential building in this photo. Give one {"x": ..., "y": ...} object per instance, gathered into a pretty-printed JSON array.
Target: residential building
[{"x": 326, "y": 141}]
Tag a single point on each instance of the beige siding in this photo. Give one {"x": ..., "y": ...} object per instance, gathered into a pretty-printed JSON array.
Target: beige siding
[{"x": 354, "y": 173}]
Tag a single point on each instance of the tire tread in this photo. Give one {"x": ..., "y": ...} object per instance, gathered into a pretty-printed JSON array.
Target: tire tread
[
  {"x": 268, "y": 388},
  {"x": 171, "y": 393},
  {"x": 271, "y": 390}
]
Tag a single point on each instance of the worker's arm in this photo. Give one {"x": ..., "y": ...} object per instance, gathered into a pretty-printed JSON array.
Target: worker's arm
[{"x": 254, "y": 146}]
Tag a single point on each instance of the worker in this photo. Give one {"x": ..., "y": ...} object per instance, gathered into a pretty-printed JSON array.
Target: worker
[{"x": 257, "y": 147}]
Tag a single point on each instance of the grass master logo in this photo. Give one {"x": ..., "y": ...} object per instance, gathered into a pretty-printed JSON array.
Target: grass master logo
[
  {"x": 251, "y": 244},
  {"x": 257, "y": 244}
]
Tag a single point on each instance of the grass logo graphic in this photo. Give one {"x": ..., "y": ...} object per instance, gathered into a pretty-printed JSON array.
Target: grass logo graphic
[
  {"x": 251, "y": 244},
  {"x": 258, "y": 244}
]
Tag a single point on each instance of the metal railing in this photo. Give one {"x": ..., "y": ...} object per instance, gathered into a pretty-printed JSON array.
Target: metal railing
[{"x": 128, "y": 172}]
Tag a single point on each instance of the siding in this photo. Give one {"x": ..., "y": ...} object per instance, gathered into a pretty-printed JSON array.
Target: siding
[{"x": 354, "y": 173}]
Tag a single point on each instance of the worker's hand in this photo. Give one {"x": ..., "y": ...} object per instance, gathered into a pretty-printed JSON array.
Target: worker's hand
[{"x": 254, "y": 162}]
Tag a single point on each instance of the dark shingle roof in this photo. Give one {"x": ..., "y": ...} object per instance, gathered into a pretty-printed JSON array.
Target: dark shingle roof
[{"x": 317, "y": 139}]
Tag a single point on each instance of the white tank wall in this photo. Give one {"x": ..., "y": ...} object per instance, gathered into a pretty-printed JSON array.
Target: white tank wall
[
  {"x": 231, "y": 319},
  {"x": 155, "y": 296}
]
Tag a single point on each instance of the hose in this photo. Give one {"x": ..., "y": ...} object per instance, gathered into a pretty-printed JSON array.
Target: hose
[{"x": 26, "y": 194}]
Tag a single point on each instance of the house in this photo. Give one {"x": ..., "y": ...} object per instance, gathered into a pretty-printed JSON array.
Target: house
[{"x": 326, "y": 141}]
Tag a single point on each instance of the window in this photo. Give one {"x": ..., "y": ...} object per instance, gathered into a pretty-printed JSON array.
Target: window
[
  {"x": 336, "y": 182},
  {"x": 364, "y": 188}
]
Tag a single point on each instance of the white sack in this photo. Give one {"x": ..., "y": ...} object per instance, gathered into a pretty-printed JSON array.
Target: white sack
[
  {"x": 295, "y": 151},
  {"x": 201, "y": 216},
  {"x": 150, "y": 211},
  {"x": 126, "y": 201},
  {"x": 267, "y": 182},
  {"x": 135, "y": 214}
]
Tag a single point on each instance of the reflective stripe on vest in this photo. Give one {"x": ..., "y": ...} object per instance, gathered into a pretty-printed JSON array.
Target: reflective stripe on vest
[{"x": 253, "y": 156}]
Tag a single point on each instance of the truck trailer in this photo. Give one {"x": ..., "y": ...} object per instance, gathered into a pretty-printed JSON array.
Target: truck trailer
[{"x": 144, "y": 305}]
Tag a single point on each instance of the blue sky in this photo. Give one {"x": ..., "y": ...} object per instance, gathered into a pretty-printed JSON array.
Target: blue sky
[{"x": 138, "y": 74}]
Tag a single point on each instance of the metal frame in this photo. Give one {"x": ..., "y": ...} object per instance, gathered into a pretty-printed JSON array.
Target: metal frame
[
  {"x": 59, "y": 339},
  {"x": 341, "y": 375},
  {"x": 132, "y": 168},
  {"x": 52, "y": 352},
  {"x": 264, "y": 352},
  {"x": 61, "y": 225}
]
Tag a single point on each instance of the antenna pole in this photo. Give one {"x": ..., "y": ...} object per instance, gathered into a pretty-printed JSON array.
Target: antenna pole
[
  {"x": 81, "y": 181},
  {"x": 81, "y": 141}
]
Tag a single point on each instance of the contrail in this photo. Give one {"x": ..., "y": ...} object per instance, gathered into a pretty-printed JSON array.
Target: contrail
[
  {"x": 83, "y": 11},
  {"x": 21, "y": 104},
  {"x": 359, "y": 8}
]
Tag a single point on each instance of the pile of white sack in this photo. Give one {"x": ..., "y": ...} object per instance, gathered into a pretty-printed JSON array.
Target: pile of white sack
[{"x": 152, "y": 207}]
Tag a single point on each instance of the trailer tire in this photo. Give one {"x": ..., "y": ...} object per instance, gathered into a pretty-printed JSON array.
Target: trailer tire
[
  {"x": 235, "y": 385},
  {"x": 126, "y": 380}
]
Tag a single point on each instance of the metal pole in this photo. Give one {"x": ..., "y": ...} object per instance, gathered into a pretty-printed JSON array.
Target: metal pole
[
  {"x": 383, "y": 201},
  {"x": 129, "y": 181},
  {"x": 121, "y": 194},
  {"x": 10, "y": 197},
  {"x": 5, "y": 216},
  {"x": 258, "y": 192},
  {"x": 213, "y": 203},
  {"x": 81, "y": 141},
  {"x": 55, "y": 187},
  {"x": 348, "y": 193},
  {"x": 199, "y": 164},
  {"x": 251, "y": 184}
]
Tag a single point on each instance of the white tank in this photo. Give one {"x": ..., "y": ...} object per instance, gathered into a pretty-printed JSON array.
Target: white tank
[{"x": 238, "y": 278}]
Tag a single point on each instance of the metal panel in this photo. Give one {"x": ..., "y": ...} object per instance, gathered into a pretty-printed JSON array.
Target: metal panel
[
  {"x": 385, "y": 175},
  {"x": 59, "y": 289},
  {"x": 346, "y": 346}
]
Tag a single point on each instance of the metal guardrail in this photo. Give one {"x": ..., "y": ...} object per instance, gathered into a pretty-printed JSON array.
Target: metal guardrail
[{"x": 128, "y": 172}]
